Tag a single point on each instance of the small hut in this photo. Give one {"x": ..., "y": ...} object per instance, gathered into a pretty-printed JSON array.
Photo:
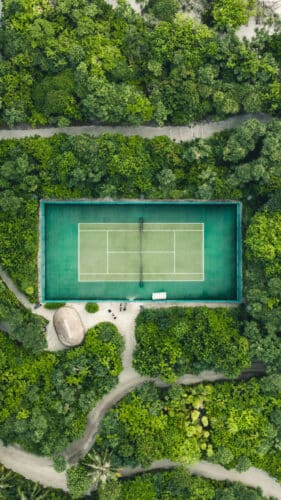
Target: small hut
[{"x": 69, "y": 327}]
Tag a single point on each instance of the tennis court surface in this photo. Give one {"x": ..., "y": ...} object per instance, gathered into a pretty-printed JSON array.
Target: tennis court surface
[
  {"x": 130, "y": 250},
  {"x": 143, "y": 251}
]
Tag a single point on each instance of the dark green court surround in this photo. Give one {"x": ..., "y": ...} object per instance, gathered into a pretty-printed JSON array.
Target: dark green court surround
[{"x": 93, "y": 250}]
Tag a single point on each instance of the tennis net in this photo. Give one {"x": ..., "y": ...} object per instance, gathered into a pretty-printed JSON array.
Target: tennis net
[{"x": 140, "y": 250}]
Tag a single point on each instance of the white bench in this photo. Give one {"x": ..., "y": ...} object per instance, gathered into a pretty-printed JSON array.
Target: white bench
[{"x": 159, "y": 295}]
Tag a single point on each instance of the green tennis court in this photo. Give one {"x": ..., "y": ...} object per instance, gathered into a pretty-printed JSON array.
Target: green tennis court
[
  {"x": 95, "y": 250},
  {"x": 121, "y": 252}
]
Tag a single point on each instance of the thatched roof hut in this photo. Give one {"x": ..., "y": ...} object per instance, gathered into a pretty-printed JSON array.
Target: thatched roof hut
[{"x": 69, "y": 327}]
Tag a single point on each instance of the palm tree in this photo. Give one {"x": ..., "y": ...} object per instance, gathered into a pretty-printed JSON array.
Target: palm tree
[{"x": 100, "y": 469}]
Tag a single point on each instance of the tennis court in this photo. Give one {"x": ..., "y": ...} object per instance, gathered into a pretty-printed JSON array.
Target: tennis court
[
  {"x": 140, "y": 252},
  {"x": 124, "y": 250}
]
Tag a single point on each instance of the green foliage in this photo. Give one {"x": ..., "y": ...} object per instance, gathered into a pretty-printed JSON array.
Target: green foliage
[
  {"x": 93, "y": 472},
  {"x": 243, "y": 140},
  {"x": 91, "y": 307},
  {"x": 235, "y": 424},
  {"x": 94, "y": 63},
  {"x": 179, "y": 484},
  {"x": 264, "y": 241},
  {"x": 78, "y": 481},
  {"x": 172, "y": 342},
  {"x": 164, "y": 10},
  {"x": 148, "y": 425},
  {"x": 45, "y": 399},
  {"x": 16, "y": 487},
  {"x": 59, "y": 463},
  {"x": 232, "y": 13},
  {"x": 20, "y": 323},
  {"x": 263, "y": 287},
  {"x": 54, "y": 305}
]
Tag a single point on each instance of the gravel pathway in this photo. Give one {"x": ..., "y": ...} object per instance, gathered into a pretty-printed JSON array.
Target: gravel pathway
[{"x": 178, "y": 133}]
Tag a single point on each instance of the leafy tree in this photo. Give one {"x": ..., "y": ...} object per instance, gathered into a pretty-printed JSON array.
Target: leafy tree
[
  {"x": 243, "y": 140},
  {"x": 232, "y": 12},
  {"x": 163, "y": 9}
]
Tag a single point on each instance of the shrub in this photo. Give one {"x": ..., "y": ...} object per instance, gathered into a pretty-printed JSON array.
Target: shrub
[
  {"x": 91, "y": 307},
  {"x": 59, "y": 463},
  {"x": 54, "y": 305}
]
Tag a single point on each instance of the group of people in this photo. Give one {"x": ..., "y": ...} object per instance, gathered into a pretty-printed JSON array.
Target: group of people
[{"x": 122, "y": 307}]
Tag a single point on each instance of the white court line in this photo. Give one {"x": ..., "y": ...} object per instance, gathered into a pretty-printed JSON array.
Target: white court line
[
  {"x": 107, "y": 252},
  {"x": 143, "y": 251},
  {"x": 125, "y": 274},
  {"x": 78, "y": 264},
  {"x": 150, "y": 223},
  {"x": 203, "y": 252},
  {"x": 145, "y": 230},
  {"x": 174, "y": 251},
  {"x": 149, "y": 281}
]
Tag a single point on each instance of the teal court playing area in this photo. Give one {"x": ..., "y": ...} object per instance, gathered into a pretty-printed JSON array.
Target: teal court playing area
[
  {"x": 140, "y": 252},
  {"x": 130, "y": 250}
]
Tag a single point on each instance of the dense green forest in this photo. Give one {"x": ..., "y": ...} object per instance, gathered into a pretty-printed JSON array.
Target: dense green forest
[
  {"x": 45, "y": 398},
  {"x": 173, "y": 342},
  {"x": 236, "y": 424},
  {"x": 241, "y": 164},
  {"x": 77, "y": 60}
]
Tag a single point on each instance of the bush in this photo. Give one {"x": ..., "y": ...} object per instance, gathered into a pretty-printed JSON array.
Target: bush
[
  {"x": 91, "y": 307},
  {"x": 59, "y": 463},
  {"x": 54, "y": 305}
]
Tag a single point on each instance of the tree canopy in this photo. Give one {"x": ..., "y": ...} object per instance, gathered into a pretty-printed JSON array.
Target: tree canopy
[
  {"x": 173, "y": 342},
  {"x": 70, "y": 61}
]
